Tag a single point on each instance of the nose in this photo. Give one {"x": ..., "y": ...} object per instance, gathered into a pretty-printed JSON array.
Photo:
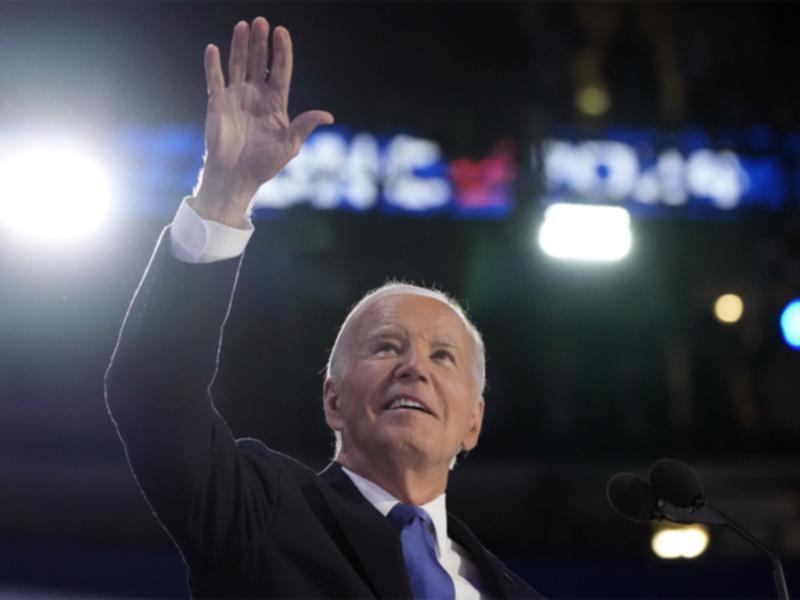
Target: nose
[{"x": 409, "y": 368}]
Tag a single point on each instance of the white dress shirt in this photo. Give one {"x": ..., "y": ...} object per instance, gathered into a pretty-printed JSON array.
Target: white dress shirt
[
  {"x": 197, "y": 240},
  {"x": 452, "y": 556}
]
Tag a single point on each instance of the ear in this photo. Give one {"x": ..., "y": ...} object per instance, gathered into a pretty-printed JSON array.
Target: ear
[
  {"x": 330, "y": 400},
  {"x": 476, "y": 421}
]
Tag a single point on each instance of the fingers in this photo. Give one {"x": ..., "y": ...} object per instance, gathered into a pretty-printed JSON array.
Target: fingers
[
  {"x": 215, "y": 81},
  {"x": 281, "y": 75},
  {"x": 237, "y": 61},
  {"x": 257, "y": 54},
  {"x": 303, "y": 124}
]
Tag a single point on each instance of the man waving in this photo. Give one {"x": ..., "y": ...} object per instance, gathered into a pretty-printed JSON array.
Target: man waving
[{"x": 403, "y": 394}]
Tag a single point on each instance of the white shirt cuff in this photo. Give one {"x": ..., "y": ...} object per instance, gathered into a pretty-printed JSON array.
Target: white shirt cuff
[{"x": 197, "y": 240}]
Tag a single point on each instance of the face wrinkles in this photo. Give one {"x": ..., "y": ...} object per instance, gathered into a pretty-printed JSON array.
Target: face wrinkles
[
  {"x": 415, "y": 347},
  {"x": 396, "y": 338},
  {"x": 402, "y": 338}
]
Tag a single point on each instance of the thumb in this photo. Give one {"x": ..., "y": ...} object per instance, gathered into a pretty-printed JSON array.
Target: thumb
[{"x": 303, "y": 124}]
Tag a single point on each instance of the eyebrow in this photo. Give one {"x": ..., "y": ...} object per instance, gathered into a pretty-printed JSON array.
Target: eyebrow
[
  {"x": 385, "y": 331},
  {"x": 445, "y": 342},
  {"x": 394, "y": 331}
]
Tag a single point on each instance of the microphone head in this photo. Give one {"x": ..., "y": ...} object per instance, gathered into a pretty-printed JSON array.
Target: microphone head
[
  {"x": 676, "y": 482},
  {"x": 632, "y": 497}
]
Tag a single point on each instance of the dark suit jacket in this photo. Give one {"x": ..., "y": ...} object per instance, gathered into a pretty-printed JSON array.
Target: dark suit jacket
[{"x": 249, "y": 521}]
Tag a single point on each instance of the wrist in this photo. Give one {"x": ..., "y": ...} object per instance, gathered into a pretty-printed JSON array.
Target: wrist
[{"x": 223, "y": 198}]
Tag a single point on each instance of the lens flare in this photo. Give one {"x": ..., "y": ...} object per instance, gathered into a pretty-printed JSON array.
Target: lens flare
[{"x": 53, "y": 191}]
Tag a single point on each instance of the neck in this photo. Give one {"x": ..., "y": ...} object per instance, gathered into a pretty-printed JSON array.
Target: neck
[{"x": 409, "y": 484}]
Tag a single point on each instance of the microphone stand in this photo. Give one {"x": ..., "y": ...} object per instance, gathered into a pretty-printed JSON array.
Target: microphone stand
[
  {"x": 705, "y": 512},
  {"x": 777, "y": 568}
]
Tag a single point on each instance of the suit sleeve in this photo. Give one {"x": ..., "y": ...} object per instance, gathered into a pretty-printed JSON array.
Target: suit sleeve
[{"x": 212, "y": 497}]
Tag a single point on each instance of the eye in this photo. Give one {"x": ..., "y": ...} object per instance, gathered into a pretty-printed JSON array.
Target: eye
[
  {"x": 443, "y": 354},
  {"x": 387, "y": 348}
]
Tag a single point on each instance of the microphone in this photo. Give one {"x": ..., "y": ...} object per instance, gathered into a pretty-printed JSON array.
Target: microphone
[
  {"x": 632, "y": 497},
  {"x": 679, "y": 494},
  {"x": 676, "y": 482},
  {"x": 674, "y": 493}
]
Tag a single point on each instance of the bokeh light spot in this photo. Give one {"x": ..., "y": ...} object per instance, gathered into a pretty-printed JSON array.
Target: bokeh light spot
[
  {"x": 675, "y": 541},
  {"x": 728, "y": 308},
  {"x": 592, "y": 100},
  {"x": 790, "y": 324}
]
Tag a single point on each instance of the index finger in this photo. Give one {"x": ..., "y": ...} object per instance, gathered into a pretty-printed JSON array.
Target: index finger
[{"x": 282, "y": 63}]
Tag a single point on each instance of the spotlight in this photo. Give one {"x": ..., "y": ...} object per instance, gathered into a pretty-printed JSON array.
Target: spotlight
[
  {"x": 680, "y": 541},
  {"x": 728, "y": 308},
  {"x": 790, "y": 324},
  {"x": 52, "y": 190},
  {"x": 586, "y": 232}
]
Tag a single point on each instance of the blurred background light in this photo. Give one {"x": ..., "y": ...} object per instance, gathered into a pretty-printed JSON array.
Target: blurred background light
[
  {"x": 605, "y": 365},
  {"x": 586, "y": 233},
  {"x": 790, "y": 324},
  {"x": 728, "y": 308},
  {"x": 592, "y": 100},
  {"x": 635, "y": 168},
  {"x": 680, "y": 541},
  {"x": 52, "y": 190}
]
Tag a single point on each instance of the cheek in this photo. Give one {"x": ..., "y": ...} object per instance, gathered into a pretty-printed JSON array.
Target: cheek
[
  {"x": 462, "y": 399},
  {"x": 362, "y": 385},
  {"x": 464, "y": 384}
]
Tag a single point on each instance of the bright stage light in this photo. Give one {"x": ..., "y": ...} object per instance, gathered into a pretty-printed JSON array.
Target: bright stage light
[
  {"x": 52, "y": 190},
  {"x": 674, "y": 541},
  {"x": 586, "y": 232},
  {"x": 790, "y": 324},
  {"x": 728, "y": 308}
]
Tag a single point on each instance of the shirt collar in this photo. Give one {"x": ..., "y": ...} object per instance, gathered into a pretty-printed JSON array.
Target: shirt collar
[{"x": 384, "y": 502}]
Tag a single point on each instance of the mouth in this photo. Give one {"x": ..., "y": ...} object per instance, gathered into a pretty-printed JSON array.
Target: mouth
[{"x": 406, "y": 402}]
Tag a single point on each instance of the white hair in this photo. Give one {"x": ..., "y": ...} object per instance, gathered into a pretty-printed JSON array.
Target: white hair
[{"x": 337, "y": 361}]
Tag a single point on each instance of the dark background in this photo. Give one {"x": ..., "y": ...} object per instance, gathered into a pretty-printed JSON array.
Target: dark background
[{"x": 591, "y": 370}]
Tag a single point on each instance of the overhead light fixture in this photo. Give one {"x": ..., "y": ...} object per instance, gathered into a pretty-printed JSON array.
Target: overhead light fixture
[{"x": 583, "y": 232}]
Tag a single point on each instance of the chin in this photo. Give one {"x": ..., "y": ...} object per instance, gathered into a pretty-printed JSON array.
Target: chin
[{"x": 416, "y": 448}]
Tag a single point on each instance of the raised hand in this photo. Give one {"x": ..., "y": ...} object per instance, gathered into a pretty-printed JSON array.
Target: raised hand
[{"x": 249, "y": 137}]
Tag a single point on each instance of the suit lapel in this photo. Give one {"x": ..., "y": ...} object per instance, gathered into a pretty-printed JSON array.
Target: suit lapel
[
  {"x": 374, "y": 541},
  {"x": 495, "y": 584}
]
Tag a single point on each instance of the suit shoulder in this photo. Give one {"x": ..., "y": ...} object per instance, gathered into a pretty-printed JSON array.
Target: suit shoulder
[{"x": 256, "y": 451}]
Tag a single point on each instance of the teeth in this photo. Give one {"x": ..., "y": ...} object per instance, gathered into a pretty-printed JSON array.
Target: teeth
[{"x": 405, "y": 403}]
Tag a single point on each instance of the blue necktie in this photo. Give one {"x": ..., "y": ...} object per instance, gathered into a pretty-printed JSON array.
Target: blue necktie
[{"x": 427, "y": 576}]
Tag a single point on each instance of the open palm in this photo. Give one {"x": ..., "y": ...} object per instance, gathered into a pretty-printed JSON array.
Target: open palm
[{"x": 249, "y": 137}]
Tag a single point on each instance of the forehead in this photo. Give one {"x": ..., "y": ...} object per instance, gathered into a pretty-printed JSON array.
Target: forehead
[{"x": 413, "y": 313}]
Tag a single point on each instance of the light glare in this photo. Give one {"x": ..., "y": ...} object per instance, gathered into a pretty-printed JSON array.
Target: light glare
[
  {"x": 52, "y": 191},
  {"x": 587, "y": 233},
  {"x": 728, "y": 308},
  {"x": 790, "y": 324},
  {"x": 680, "y": 541}
]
